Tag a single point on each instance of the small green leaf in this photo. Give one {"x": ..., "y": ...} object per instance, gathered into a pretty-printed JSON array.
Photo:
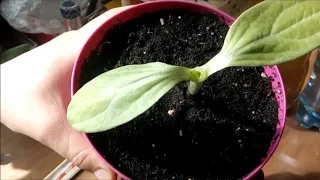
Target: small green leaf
[
  {"x": 272, "y": 32},
  {"x": 14, "y": 52},
  {"x": 118, "y": 96}
]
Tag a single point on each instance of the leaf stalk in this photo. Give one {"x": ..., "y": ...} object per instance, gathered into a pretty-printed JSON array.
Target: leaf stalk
[{"x": 197, "y": 76}]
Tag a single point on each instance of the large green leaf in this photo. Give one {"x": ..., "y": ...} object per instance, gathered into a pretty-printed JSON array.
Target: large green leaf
[
  {"x": 118, "y": 96},
  {"x": 272, "y": 32}
]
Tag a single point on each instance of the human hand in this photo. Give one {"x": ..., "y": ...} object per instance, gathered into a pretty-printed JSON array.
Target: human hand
[{"x": 35, "y": 93}]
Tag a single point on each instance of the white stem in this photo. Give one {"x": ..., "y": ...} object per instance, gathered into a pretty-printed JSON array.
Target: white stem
[
  {"x": 194, "y": 88},
  {"x": 217, "y": 63}
]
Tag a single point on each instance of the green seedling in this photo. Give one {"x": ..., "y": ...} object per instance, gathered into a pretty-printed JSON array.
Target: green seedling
[{"x": 269, "y": 33}]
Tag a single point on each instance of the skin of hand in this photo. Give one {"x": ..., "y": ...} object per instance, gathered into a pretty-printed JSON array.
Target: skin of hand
[{"x": 35, "y": 93}]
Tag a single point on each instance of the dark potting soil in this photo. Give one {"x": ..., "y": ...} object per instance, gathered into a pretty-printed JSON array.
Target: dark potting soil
[{"x": 221, "y": 133}]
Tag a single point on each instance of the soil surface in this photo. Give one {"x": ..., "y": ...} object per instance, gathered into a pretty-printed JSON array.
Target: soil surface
[{"x": 221, "y": 133}]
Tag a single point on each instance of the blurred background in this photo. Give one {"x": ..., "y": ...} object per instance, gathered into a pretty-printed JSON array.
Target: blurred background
[{"x": 26, "y": 24}]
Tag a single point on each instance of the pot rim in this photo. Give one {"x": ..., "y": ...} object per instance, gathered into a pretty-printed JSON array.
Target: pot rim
[{"x": 280, "y": 128}]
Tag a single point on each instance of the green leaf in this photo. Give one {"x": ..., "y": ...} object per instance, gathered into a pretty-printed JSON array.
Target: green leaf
[
  {"x": 272, "y": 32},
  {"x": 14, "y": 52},
  {"x": 119, "y": 95}
]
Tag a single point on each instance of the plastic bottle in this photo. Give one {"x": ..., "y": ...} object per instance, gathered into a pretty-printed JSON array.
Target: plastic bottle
[{"x": 308, "y": 109}]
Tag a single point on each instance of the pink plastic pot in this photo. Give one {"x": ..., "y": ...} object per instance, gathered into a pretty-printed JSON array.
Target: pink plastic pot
[{"x": 138, "y": 10}]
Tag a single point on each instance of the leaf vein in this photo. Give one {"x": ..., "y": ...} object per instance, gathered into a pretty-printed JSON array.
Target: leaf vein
[
  {"x": 297, "y": 23},
  {"x": 162, "y": 80},
  {"x": 281, "y": 14},
  {"x": 244, "y": 34}
]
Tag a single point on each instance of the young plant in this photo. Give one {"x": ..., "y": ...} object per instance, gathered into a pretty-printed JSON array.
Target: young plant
[{"x": 270, "y": 33}]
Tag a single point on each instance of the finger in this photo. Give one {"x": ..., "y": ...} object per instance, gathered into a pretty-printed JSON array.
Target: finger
[
  {"x": 91, "y": 26},
  {"x": 75, "y": 40}
]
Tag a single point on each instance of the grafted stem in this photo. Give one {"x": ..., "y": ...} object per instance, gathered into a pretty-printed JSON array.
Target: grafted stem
[{"x": 194, "y": 88}]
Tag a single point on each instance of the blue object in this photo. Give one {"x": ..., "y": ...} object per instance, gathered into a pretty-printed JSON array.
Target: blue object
[
  {"x": 308, "y": 110},
  {"x": 70, "y": 9}
]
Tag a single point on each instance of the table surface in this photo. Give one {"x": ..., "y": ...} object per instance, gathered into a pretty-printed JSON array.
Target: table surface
[{"x": 296, "y": 158}]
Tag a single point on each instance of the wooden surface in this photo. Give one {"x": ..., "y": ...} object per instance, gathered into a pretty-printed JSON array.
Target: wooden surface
[
  {"x": 25, "y": 158},
  {"x": 297, "y": 156}
]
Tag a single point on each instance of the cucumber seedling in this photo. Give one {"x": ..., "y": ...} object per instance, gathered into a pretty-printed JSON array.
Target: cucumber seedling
[{"x": 269, "y": 33}]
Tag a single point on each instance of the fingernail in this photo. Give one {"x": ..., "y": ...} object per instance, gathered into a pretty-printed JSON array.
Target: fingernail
[{"x": 102, "y": 174}]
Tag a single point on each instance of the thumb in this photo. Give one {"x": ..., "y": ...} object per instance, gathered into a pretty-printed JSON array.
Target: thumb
[
  {"x": 88, "y": 160},
  {"x": 83, "y": 156},
  {"x": 103, "y": 174}
]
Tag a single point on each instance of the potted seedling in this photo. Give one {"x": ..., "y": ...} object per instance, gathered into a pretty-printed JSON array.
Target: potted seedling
[{"x": 177, "y": 90}]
